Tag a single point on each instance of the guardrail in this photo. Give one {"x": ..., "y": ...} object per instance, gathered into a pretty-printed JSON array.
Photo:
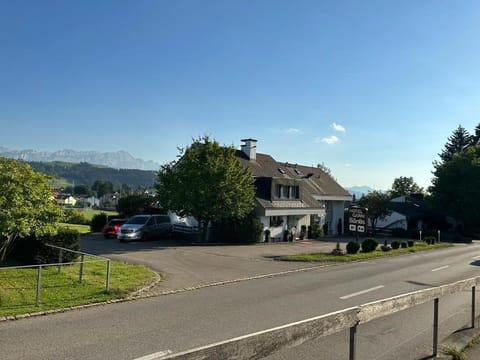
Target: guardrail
[
  {"x": 40, "y": 268},
  {"x": 185, "y": 229},
  {"x": 264, "y": 343}
]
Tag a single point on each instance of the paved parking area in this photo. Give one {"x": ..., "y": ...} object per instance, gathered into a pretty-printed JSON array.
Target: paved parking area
[{"x": 187, "y": 265}]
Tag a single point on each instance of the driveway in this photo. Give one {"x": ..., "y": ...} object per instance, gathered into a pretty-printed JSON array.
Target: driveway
[{"x": 186, "y": 265}]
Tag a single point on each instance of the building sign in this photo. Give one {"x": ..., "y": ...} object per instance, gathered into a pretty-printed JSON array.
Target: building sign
[{"x": 357, "y": 219}]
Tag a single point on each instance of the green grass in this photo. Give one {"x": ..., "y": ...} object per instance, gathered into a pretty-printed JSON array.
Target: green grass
[
  {"x": 90, "y": 213},
  {"x": 326, "y": 257},
  {"x": 62, "y": 290},
  {"x": 82, "y": 229}
]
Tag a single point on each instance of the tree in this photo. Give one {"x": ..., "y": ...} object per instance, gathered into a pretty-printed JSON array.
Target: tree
[
  {"x": 134, "y": 204},
  {"x": 459, "y": 139},
  {"x": 455, "y": 187},
  {"x": 26, "y": 205},
  {"x": 207, "y": 182},
  {"x": 377, "y": 204},
  {"x": 326, "y": 170},
  {"x": 102, "y": 187},
  {"x": 404, "y": 186},
  {"x": 476, "y": 135}
]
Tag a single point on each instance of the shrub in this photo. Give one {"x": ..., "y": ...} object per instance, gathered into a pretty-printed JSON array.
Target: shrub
[
  {"x": 369, "y": 245},
  {"x": 353, "y": 247},
  {"x": 403, "y": 244},
  {"x": 410, "y": 243},
  {"x": 316, "y": 230},
  {"x": 98, "y": 222},
  {"x": 395, "y": 244},
  {"x": 429, "y": 240},
  {"x": 32, "y": 250},
  {"x": 75, "y": 216}
]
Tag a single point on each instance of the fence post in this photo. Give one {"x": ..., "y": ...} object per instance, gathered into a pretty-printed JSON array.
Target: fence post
[
  {"x": 39, "y": 285},
  {"x": 107, "y": 281},
  {"x": 60, "y": 259},
  {"x": 438, "y": 236},
  {"x": 80, "y": 274},
  {"x": 473, "y": 307},
  {"x": 435, "y": 327},
  {"x": 352, "y": 345}
]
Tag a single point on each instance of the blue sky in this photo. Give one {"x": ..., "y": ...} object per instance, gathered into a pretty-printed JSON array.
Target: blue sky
[{"x": 372, "y": 89}]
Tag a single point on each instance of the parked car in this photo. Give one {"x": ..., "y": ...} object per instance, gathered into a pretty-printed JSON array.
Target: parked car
[
  {"x": 111, "y": 229},
  {"x": 144, "y": 227}
]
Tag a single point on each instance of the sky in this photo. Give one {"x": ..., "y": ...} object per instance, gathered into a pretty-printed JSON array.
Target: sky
[{"x": 371, "y": 89}]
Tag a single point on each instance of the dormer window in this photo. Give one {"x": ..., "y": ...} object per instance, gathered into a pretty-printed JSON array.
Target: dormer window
[
  {"x": 281, "y": 171},
  {"x": 287, "y": 192}
]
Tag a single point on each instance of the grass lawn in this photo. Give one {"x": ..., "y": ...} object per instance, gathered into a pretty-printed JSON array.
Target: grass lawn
[
  {"x": 82, "y": 229},
  {"x": 326, "y": 257},
  {"x": 90, "y": 213},
  {"x": 62, "y": 290}
]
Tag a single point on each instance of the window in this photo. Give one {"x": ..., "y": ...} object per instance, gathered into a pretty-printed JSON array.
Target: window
[
  {"x": 278, "y": 191},
  {"x": 295, "y": 192},
  {"x": 276, "y": 221},
  {"x": 281, "y": 170},
  {"x": 285, "y": 192}
]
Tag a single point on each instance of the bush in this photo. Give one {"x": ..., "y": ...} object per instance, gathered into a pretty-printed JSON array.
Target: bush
[
  {"x": 352, "y": 247},
  {"x": 385, "y": 248},
  {"x": 429, "y": 240},
  {"x": 32, "y": 250},
  {"x": 369, "y": 245},
  {"x": 410, "y": 243},
  {"x": 403, "y": 244},
  {"x": 75, "y": 216},
  {"x": 246, "y": 230},
  {"x": 98, "y": 222},
  {"x": 317, "y": 231},
  {"x": 395, "y": 244}
]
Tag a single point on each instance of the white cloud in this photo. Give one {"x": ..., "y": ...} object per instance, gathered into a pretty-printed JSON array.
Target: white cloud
[
  {"x": 338, "y": 127},
  {"x": 293, "y": 131},
  {"x": 329, "y": 140}
]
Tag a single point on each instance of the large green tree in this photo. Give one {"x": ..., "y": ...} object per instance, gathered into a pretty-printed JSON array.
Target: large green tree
[
  {"x": 459, "y": 139},
  {"x": 476, "y": 135},
  {"x": 456, "y": 186},
  {"x": 26, "y": 205},
  {"x": 377, "y": 204},
  {"x": 404, "y": 185},
  {"x": 207, "y": 182}
]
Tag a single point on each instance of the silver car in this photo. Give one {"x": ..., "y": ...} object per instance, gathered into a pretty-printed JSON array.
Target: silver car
[{"x": 144, "y": 227}]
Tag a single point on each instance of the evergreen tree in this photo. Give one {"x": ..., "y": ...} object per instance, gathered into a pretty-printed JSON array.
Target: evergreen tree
[
  {"x": 459, "y": 139},
  {"x": 476, "y": 135}
]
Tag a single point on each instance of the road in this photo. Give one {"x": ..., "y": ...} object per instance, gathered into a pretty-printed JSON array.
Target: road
[{"x": 184, "y": 320}]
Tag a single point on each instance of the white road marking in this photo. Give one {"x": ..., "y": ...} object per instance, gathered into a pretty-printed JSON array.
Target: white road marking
[
  {"x": 156, "y": 355},
  {"x": 441, "y": 268},
  {"x": 362, "y": 292}
]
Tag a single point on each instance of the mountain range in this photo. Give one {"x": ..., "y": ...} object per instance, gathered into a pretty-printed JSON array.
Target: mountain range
[
  {"x": 359, "y": 191},
  {"x": 116, "y": 160}
]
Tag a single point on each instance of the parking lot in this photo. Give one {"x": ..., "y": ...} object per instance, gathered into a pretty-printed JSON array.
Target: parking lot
[{"x": 187, "y": 265}]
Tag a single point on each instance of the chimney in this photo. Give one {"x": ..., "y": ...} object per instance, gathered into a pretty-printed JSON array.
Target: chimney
[{"x": 249, "y": 148}]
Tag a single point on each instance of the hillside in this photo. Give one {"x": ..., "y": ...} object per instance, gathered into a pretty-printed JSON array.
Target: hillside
[{"x": 85, "y": 173}]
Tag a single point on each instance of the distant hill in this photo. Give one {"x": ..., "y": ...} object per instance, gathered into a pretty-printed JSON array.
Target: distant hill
[
  {"x": 116, "y": 160},
  {"x": 359, "y": 191},
  {"x": 87, "y": 174}
]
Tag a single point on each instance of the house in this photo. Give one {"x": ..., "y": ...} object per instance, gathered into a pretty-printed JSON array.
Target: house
[
  {"x": 65, "y": 199},
  {"x": 412, "y": 214},
  {"x": 291, "y": 195}
]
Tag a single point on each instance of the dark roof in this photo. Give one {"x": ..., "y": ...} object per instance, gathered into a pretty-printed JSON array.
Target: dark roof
[
  {"x": 315, "y": 180},
  {"x": 311, "y": 180}
]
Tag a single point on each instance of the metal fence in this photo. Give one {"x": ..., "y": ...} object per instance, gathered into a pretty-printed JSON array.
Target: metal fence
[
  {"x": 264, "y": 343},
  {"x": 53, "y": 269}
]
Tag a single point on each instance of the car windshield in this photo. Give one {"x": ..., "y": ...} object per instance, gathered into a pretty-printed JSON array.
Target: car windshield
[{"x": 138, "y": 220}]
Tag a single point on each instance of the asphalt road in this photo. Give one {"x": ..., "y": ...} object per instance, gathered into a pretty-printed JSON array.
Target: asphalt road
[{"x": 189, "y": 319}]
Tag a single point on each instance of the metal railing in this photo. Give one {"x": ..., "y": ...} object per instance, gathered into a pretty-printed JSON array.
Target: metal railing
[
  {"x": 264, "y": 343},
  {"x": 60, "y": 264}
]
